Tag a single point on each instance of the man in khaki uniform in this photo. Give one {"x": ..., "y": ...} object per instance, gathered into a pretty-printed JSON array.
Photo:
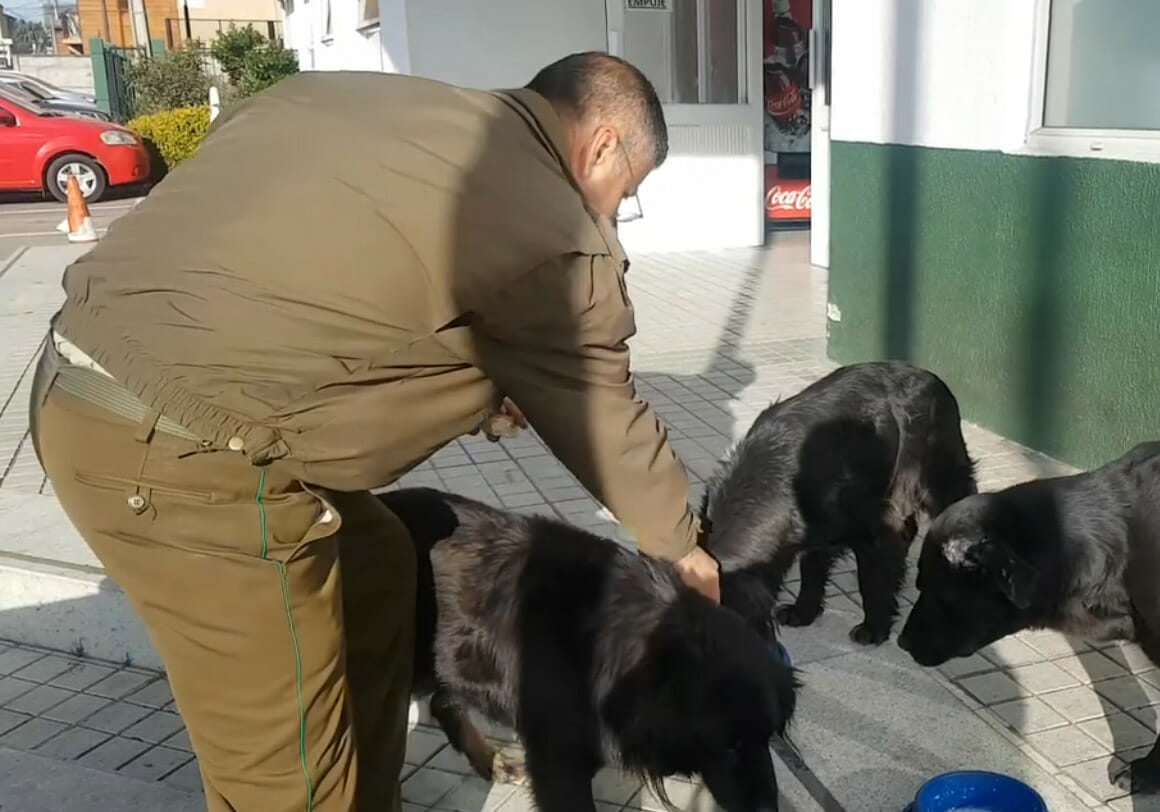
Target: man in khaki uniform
[{"x": 349, "y": 274}]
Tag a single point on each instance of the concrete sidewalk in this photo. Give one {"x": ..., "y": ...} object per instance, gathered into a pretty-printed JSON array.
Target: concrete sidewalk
[{"x": 721, "y": 335}]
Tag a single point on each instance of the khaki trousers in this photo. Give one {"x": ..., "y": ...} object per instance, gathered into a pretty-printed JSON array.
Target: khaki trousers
[{"x": 284, "y": 615}]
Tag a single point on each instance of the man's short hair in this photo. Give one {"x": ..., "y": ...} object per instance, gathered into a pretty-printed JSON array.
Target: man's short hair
[{"x": 595, "y": 85}]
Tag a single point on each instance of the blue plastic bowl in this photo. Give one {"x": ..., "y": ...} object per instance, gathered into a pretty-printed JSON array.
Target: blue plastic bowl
[
  {"x": 781, "y": 654},
  {"x": 976, "y": 791}
]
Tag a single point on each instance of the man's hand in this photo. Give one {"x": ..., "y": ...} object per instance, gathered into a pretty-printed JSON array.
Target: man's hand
[
  {"x": 700, "y": 570},
  {"x": 506, "y": 421}
]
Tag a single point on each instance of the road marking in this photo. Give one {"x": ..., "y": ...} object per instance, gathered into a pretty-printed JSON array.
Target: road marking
[
  {"x": 49, "y": 209},
  {"x": 7, "y": 235}
]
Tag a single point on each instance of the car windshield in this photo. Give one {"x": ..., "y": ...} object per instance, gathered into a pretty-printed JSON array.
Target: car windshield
[{"x": 27, "y": 104}]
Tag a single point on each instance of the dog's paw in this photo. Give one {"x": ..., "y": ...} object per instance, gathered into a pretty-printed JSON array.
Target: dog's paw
[
  {"x": 790, "y": 614},
  {"x": 1139, "y": 777},
  {"x": 866, "y": 635},
  {"x": 508, "y": 766}
]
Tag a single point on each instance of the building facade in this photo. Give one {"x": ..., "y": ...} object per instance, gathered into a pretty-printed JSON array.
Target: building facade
[{"x": 985, "y": 173}]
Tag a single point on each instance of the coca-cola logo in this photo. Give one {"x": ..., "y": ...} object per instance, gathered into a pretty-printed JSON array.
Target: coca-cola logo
[
  {"x": 779, "y": 198},
  {"x": 785, "y": 102}
]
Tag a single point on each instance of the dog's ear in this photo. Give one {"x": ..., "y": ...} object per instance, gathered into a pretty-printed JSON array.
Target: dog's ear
[
  {"x": 1014, "y": 576},
  {"x": 996, "y": 562}
]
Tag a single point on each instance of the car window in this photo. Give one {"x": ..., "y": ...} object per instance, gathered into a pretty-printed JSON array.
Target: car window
[{"x": 34, "y": 91}]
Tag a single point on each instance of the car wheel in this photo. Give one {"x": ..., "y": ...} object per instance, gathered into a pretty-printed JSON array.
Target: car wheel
[{"x": 90, "y": 177}]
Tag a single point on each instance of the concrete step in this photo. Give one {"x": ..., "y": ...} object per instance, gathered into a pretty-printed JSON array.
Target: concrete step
[
  {"x": 31, "y": 783},
  {"x": 54, "y": 592}
]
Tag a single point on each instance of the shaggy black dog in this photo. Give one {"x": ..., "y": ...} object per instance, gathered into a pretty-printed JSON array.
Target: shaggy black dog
[
  {"x": 1079, "y": 554},
  {"x": 849, "y": 463},
  {"x": 591, "y": 653}
]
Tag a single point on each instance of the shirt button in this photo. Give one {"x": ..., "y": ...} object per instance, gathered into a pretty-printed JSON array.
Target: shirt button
[
  {"x": 235, "y": 444},
  {"x": 136, "y": 503}
]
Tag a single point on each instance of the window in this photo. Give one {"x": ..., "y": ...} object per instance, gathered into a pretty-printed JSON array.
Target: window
[
  {"x": 1099, "y": 74},
  {"x": 368, "y": 13},
  {"x": 690, "y": 49}
]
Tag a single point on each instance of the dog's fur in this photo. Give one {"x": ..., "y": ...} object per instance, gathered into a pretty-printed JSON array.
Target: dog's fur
[
  {"x": 591, "y": 653},
  {"x": 852, "y": 462},
  {"x": 1079, "y": 554}
]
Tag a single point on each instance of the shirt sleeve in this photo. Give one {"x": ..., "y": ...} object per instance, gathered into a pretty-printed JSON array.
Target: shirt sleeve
[{"x": 555, "y": 342}]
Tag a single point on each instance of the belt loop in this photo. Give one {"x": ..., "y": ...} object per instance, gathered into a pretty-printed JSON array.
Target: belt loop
[{"x": 144, "y": 431}]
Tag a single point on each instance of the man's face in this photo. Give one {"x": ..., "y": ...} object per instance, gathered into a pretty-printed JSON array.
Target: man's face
[{"x": 604, "y": 169}]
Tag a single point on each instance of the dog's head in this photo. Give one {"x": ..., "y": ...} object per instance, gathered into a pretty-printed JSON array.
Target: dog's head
[
  {"x": 706, "y": 699},
  {"x": 974, "y": 585}
]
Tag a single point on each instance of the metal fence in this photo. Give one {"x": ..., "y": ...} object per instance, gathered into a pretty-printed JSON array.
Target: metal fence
[{"x": 180, "y": 31}]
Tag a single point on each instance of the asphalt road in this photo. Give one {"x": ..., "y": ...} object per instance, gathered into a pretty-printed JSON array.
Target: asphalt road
[{"x": 26, "y": 223}]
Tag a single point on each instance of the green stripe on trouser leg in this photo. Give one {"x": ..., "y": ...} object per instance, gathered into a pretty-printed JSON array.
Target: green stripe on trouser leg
[{"x": 287, "y": 607}]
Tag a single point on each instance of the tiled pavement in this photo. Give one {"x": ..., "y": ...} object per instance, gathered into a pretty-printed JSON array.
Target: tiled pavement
[{"x": 720, "y": 336}]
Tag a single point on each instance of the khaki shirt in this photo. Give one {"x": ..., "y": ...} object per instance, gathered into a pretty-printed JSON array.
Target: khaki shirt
[{"x": 351, "y": 271}]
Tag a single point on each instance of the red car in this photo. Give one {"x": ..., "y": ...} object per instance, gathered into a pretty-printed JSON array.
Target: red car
[{"x": 40, "y": 149}]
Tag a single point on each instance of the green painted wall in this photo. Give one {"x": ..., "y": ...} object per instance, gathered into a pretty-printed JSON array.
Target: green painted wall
[{"x": 1031, "y": 285}]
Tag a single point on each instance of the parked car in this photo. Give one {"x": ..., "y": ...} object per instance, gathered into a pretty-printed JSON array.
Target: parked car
[
  {"x": 31, "y": 91},
  {"x": 40, "y": 148},
  {"x": 46, "y": 87}
]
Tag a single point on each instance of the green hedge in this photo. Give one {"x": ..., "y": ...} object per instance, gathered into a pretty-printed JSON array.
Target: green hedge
[{"x": 176, "y": 134}]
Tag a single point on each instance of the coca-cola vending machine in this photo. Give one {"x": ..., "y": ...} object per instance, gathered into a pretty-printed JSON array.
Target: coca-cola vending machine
[{"x": 786, "y": 25}]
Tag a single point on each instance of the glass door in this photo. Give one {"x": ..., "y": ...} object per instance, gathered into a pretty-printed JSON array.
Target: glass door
[{"x": 703, "y": 56}]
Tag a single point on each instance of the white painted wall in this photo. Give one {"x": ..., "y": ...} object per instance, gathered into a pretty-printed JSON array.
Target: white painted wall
[
  {"x": 938, "y": 73},
  {"x": 499, "y": 43}
]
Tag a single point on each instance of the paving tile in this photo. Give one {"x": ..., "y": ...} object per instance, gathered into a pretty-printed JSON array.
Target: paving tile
[
  {"x": 1077, "y": 704},
  {"x": 179, "y": 741},
  {"x": 116, "y": 716},
  {"x": 1094, "y": 776},
  {"x": 961, "y": 666},
  {"x": 10, "y": 719},
  {"x": 81, "y": 675},
  {"x": 1091, "y": 666},
  {"x": 1042, "y": 677},
  {"x": 1130, "y": 692},
  {"x": 1028, "y": 715},
  {"x": 155, "y": 763},
  {"x": 1131, "y": 657},
  {"x": 30, "y": 734},
  {"x": 46, "y": 668},
  {"x": 1118, "y": 732},
  {"x": 991, "y": 688},
  {"x": 1067, "y": 745},
  {"x": 427, "y": 786},
  {"x": 39, "y": 699},
  {"x": 119, "y": 684},
  {"x": 154, "y": 728},
  {"x": 71, "y": 743},
  {"x": 614, "y": 786},
  {"x": 154, "y": 695},
  {"x": 186, "y": 777},
  {"x": 475, "y": 795},
  {"x": 422, "y": 744},
  {"x": 683, "y": 794},
  {"x": 12, "y": 688},
  {"x": 1011, "y": 651},
  {"x": 76, "y": 708},
  {"x": 14, "y": 659},
  {"x": 113, "y": 754}
]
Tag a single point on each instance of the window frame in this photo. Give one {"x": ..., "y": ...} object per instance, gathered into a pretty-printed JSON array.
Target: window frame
[
  {"x": 1114, "y": 144},
  {"x": 365, "y": 24}
]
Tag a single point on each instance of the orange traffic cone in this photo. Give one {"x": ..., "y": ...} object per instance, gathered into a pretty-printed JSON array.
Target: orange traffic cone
[{"x": 79, "y": 224}]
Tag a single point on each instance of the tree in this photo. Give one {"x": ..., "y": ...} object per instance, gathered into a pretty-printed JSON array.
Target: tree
[{"x": 31, "y": 38}]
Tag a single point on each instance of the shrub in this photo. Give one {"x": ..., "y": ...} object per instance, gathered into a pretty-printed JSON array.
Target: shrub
[
  {"x": 251, "y": 62},
  {"x": 176, "y": 134},
  {"x": 232, "y": 47},
  {"x": 169, "y": 81}
]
